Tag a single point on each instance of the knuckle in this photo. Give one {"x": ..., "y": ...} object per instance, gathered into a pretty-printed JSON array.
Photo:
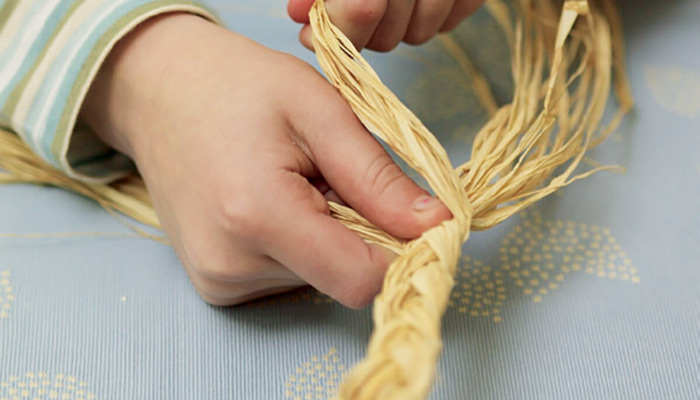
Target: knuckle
[
  {"x": 418, "y": 36},
  {"x": 364, "y": 11},
  {"x": 214, "y": 265},
  {"x": 240, "y": 216},
  {"x": 222, "y": 284},
  {"x": 381, "y": 174},
  {"x": 383, "y": 46},
  {"x": 216, "y": 269}
]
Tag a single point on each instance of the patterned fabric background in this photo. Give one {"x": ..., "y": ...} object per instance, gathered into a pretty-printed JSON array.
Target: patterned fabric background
[{"x": 592, "y": 294}]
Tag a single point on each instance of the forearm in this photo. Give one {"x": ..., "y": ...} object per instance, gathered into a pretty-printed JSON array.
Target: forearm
[
  {"x": 53, "y": 51},
  {"x": 120, "y": 102}
]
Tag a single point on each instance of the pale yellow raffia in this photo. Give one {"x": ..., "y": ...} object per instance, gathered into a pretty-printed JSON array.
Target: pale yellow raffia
[
  {"x": 527, "y": 150},
  {"x": 563, "y": 59}
]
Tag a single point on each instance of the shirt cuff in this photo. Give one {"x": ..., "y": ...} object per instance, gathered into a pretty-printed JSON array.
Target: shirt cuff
[{"x": 43, "y": 108}]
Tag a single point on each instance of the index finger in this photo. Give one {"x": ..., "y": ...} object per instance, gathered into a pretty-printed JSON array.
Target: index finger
[{"x": 357, "y": 19}]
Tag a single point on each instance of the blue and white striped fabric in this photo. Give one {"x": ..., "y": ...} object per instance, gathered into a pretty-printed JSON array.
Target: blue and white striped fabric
[
  {"x": 591, "y": 294},
  {"x": 50, "y": 51}
]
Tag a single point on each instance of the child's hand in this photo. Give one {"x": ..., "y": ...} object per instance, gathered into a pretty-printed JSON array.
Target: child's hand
[
  {"x": 382, "y": 24},
  {"x": 226, "y": 134}
]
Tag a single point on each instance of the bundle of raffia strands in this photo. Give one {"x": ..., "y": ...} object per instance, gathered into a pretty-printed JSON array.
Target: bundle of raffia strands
[{"x": 563, "y": 58}]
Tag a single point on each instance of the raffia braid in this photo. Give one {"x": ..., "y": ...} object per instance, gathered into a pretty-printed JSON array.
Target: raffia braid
[{"x": 513, "y": 161}]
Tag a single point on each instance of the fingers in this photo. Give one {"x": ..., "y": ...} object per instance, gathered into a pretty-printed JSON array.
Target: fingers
[
  {"x": 428, "y": 17},
  {"x": 226, "y": 273},
  {"x": 222, "y": 293},
  {"x": 320, "y": 250},
  {"x": 298, "y": 10},
  {"x": 357, "y": 19},
  {"x": 298, "y": 243},
  {"x": 305, "y": 37},
  {"x": 461, "y": 10},
  {"x": 326, "y": 190},
  {"x": 382, "y": 24},
  {"x": 392, "y": 28},
  {"x": 359, "y": 170}
]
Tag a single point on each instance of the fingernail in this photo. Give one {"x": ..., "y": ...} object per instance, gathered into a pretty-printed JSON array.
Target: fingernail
[{"x": 425, "y": 203}]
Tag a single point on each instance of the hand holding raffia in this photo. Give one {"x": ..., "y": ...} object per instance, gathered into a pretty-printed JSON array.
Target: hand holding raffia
[
  {"x": 512, "y": 161},
  {"x": 545, "y": 130}
]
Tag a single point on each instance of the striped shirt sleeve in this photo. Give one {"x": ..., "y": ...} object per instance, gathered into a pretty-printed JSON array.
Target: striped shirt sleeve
[{"x": 50, "y": 51}]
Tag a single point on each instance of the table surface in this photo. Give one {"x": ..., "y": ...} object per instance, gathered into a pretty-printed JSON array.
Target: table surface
[{"x": 604, "y": 303}]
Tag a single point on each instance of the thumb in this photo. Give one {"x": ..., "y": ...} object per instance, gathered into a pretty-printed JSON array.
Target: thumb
[
  {"x": 358, "y": 168},
  {"x": 364, "y": 175}
]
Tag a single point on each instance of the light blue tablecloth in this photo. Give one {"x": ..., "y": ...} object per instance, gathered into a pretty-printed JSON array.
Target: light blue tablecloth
[{"x": 591, "y": 294}]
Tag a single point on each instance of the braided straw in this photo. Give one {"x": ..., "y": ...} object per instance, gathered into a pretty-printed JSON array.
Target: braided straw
[
  {"x": 513, "y": 157},
  {"x": 562, "y": 73}
]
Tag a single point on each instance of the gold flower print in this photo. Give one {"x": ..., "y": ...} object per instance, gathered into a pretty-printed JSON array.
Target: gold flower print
[
  {"x": 538, "y": 255},
  {"x": 676, "y": 89},
  {"x": 7, "y": 295},
  {"x": 41, "y": 386},
  {"x": 317, "y": 379},
  {"x": 535, "y": 258},
  {"x": 479, "y": 290}
]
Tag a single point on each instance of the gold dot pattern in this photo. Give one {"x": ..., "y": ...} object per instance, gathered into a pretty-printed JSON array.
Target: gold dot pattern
[
  {"x": 479, "y": 291},
  {"x": 317, "y": 379},
  {"x": 7, "y": 295},
  {"x": 305, "y": 295},
  {"x": 41, "y": 386},
  {"x": 538, "y": 255},
  {"x": 675, "y": 88}
]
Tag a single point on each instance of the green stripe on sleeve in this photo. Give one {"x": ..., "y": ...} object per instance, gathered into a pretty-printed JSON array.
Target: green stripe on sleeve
[
  {"x": 59, "y": 145},
  {"x": 6, "y": 11},
  {"x": 13, "y": 100}
]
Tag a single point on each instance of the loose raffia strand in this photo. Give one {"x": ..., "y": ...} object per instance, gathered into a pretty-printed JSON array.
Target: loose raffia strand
[{"x": 516, "y": 160}]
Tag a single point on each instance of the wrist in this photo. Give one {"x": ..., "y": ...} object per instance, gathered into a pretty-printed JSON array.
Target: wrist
[{"x": 119, "y": 107}]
